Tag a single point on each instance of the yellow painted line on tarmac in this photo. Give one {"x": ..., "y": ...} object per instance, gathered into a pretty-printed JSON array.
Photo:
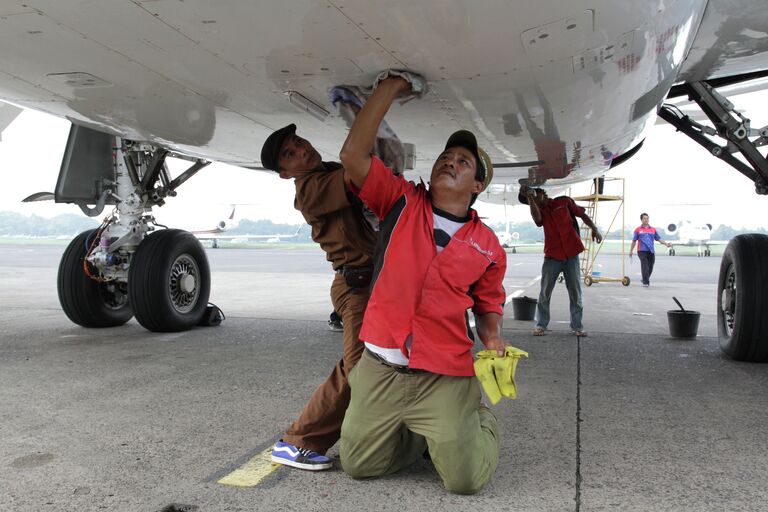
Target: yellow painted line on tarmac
[{"x": 252, "y": 472}]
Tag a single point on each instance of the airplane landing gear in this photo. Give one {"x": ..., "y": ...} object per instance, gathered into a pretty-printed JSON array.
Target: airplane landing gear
[
  {"x": 742, "y": 300},
  {"x": 742, "y": 296},
  {"x": 671, "y": 251},
  {"x": 125, "y": 267}
]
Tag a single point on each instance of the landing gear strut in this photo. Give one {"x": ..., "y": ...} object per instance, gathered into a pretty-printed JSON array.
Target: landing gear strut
[{"x": 729, "y": 125}]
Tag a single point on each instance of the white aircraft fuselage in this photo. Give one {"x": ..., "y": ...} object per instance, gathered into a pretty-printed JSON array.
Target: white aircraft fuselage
[{"x": 566, "y": 85}]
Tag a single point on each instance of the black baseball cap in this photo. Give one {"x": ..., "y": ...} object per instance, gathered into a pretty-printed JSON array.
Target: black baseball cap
[
  {"x": 270, "y": 152},
  {"x": 466, "y": 139}
]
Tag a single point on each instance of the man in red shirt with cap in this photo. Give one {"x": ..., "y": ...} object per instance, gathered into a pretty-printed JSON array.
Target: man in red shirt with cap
[
  {"x": 562, "y": 246},
  {"x": 415, "y": 386}
]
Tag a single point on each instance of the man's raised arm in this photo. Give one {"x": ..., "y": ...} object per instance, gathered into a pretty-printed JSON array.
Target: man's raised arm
[
  {"x": 356, "y": 153},
  {"x": 530, "y": 195}
]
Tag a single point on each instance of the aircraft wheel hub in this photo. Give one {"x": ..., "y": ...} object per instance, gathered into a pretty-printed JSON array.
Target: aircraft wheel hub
[
  {"x": 728, "y": 300},
  {"x": 183, "y": 283}
]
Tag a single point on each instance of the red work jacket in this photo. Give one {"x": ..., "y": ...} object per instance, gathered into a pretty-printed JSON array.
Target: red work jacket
[
  {"x": 417, "y": 291},
  {"x": 561, "y": 238}
]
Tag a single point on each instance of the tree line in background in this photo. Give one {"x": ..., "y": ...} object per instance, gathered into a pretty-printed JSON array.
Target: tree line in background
[
  {"x": 17, "y": 224},
  {"x": 529, "y": 232},
  {"x": 267, "y": 227}
]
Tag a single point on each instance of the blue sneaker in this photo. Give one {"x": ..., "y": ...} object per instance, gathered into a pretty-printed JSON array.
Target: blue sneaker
[{"x": 289, "y": 455}]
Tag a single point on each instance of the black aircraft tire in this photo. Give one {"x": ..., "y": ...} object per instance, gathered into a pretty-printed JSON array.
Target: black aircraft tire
[
  {"x": 742, "y": 299},
  {"x": 85, "y": 301},
  {"x": 169, "y": 281}
]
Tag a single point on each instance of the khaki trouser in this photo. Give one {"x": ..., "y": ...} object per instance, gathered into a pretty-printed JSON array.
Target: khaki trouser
[
  {"x": 394, "y": 416},
  {"x": 319, "y": 425}
]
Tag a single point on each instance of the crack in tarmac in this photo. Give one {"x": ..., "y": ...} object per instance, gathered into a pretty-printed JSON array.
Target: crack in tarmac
[{"x": 577, "y": 498}]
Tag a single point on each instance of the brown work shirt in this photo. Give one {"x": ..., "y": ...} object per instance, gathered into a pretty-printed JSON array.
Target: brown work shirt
[{"x": 336, "y": 217}]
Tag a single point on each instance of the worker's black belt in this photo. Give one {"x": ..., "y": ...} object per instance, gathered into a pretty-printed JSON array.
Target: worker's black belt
[
  {"x": 397, "y": 367},
  {"x": 356, "y": 277}
]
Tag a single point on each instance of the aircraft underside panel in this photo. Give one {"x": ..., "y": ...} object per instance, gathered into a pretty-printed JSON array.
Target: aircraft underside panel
[{"x": 564, "y": 86}]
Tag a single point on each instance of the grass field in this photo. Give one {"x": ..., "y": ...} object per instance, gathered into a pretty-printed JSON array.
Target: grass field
[
  {"x": 32, "y": 241},
  {"x": 608, "y": 247},
  {"x": 19, "y": 240},
  {"x": 614, "y": 247}
]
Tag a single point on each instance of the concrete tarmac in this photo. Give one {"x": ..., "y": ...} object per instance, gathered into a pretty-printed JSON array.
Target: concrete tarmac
[{"x": 127, "y": 420}]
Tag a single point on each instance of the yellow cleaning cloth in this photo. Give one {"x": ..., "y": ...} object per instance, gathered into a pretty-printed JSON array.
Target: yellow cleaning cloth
[{"x": 497, "y": 374}]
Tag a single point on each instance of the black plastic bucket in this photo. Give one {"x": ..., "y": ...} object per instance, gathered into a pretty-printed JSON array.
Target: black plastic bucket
[
  {"x": 524, "y": 308},
  {"x": 683, "y": 324}
]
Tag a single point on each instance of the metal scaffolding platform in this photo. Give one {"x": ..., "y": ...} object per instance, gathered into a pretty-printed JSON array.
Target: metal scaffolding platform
[{"x": 591, "y": 248}]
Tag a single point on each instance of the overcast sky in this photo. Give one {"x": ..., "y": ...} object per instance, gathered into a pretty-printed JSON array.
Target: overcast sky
[{"x": 669, "y": 170}]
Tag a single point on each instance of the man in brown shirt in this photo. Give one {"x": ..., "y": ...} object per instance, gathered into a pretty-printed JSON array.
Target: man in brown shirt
[{"x": 348, "y": 240}]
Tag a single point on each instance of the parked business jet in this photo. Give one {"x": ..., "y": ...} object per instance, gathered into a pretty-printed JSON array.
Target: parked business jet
[
  {"x": 506, "y": 239},
  {"x": 693, "y": 234},
  {"x": 557, "y": 92},
  {"x": 218, "y": 233},
  {"x": 219, "y": 228},
  {"x": 217, "y": 237},
  {"x": 509, "y": 240}
]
